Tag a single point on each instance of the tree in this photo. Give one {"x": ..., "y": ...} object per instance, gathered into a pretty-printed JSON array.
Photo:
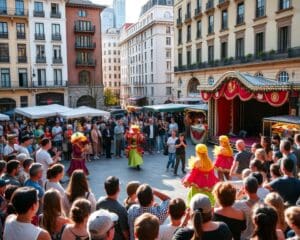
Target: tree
[{"x": 110, "y": 99}]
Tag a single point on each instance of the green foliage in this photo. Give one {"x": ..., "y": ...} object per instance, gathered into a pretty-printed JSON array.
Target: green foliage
[{"x": 110, "y": 98}]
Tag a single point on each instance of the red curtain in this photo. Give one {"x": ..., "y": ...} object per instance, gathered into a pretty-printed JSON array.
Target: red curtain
[{"x": 223, "y": 115}]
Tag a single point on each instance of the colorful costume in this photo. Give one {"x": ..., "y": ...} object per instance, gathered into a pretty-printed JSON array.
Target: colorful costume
[
  {"x": 134, "y": 152},
  {"x": 79, "y": 143},
  {"x": 201, "y": 178},
  {"x": 224, "y": 155}
]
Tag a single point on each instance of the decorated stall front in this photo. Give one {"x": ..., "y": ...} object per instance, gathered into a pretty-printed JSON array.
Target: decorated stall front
[
  {"x": 196, "y": 123},
  {"x": 170, "y": 107},
  {"x": 238, "y": 102}
]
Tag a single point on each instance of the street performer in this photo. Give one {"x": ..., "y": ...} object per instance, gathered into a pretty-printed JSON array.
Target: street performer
[
  {"x": 224, "y": 158},
  {"x": 134, "y": 151},
  {"x": 201, "y": 177},
  {"x": 79, "y": 149}
]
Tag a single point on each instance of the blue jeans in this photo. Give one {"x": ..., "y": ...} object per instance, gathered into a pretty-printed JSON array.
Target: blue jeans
[
  {"x": 172, "y": 157},
  {"x": 160, "y": 143}
]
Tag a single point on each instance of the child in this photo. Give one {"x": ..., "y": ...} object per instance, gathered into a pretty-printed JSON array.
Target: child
[
  {"x": 131, "y": 192},
  {"x": 292, "y": 217}
]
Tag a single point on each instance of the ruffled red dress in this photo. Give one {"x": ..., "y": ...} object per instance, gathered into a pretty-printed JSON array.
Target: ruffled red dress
[
  {"x": 78, "y": 160},
  {"x": 201, "y": 179},
  {"x": 223, "y": 162}
]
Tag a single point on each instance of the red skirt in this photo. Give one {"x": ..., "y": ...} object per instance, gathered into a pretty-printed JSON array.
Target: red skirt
[
  {"x": 77, "y": 164},
  {"x": 201, "y": 179},
  {"x": 223, "y": 163}
]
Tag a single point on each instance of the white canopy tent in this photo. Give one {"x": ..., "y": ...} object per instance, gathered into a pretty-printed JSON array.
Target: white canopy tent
[
  {"x": 37, "y": 112},
  {"x": 84, "y": 111},
  {"x": 4, "y": 117}
]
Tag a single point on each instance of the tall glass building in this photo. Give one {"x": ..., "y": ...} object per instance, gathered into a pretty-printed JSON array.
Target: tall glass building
[{"x": 119, "y": 8}]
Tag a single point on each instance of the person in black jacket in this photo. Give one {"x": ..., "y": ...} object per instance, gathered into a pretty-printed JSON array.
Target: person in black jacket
[
  {"x": 107, "y": 138},
  {"x": 151, "y": 131}
]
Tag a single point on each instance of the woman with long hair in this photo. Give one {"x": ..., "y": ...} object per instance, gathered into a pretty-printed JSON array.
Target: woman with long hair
[
  {"x": 265, "y": 221},
  {"x": 53, "y": 218},
  {"x": 78, "y": 188},
  {"x": 79, "y": 214},
  {"x": 267, "y": 146},
  {"x": 54, "y": 174}
]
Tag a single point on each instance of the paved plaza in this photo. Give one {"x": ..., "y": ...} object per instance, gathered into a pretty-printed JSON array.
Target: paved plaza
[{"x": 153, "y": 172}]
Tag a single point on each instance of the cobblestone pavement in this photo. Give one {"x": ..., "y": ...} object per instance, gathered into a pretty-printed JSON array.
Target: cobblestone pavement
[{"x": 153, "y": 172}]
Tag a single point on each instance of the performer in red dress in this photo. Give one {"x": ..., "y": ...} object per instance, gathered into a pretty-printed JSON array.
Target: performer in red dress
[
  {"x": 79, "y": 148},
  {"x": 224, "y": 158}
]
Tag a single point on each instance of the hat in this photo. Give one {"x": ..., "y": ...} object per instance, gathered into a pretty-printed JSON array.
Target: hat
[
  {"x": 35, "y": 168},
  {"x": 26, "y": 138},
  {"x": 3, "y": 182},
  {"x": 200, "y": 202},
  {"x": 100, "y": 222}
]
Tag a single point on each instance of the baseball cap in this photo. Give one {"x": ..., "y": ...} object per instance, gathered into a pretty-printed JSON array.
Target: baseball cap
[
  {"x": 200, "y": 202},
  {"x": 100, "y": 222},
  {"x": 3, "y": 182}
]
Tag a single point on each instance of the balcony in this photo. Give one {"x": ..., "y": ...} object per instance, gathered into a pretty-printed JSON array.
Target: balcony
[
  {"x": 55, "y": 15},
  {"x": 188, "y": 17},
  {"x": 223, "y": 4},
  {"x": 38, "y": 13},
  {"x": 4, "y": 59},
  {"x": 84, "y": 63},
  {"x": 21, "y": 35},
  {"x": 4, "y": 35},
  {"x": 260, "y": 12},
  {"x": 40, "y": 59},
  {"x": 57, "y": 60},
  {"x": 210, "y": 6},
  {"x": 49, "y": 84},
  {"x": 56, "y": 37},
  {"x": 39, "y": 36},
  {"x": 198, "y": 12},
  {"x": 178, "y": 22},
  {"x": 14, "y": 12},
  {"x": 5, "y": 84},
  {"x": 239, "y": 19},
  {"x": 89, "y": 46},
  {"x": 81, "y": 29},
  {"x": 22, "y": 59}
]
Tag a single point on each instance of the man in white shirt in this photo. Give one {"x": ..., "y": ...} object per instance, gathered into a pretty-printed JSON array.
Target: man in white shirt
[
  {"x": 43, "y": 157},
  {"x": 11, "y": 147},
  {"x": 25, "y": 143},
  {"x": 57, "y": 135}
]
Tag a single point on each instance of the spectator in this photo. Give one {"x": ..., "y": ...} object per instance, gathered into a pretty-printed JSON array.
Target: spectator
[
  {"x": 180, "y": 145},
  {"x": 12, "y": 170},
  {"x": 171, "y": 149},
  {"x": 275, "y": 171},
  {"x": 160, "y": 139},
  {"x": 254, "y": 147},
  {"x": 275, "y": 146},
  {"x": 79, "y": 214},
  {"x": 203, "y": 226},
  {"x": 2, "y": 168},
  {"x": 131, "y": 189},
  {"x": 26, "y": 141},
  {"x": 96, "y": 141},
  {"x": 25, "y": 202},
  {"x": 101, "y": 225},
  {"x": 24, "y": 171},
  {"x": 177, "y": 211},
  {"x": 265, "y": 220},
  {"x": 145, "y": 196},
  {"x": 274, "y": 200},
  {"x": 54, "y": 175},
  {"x": 297, "y": 140},
  {"x": 57, "y": 135},
  {"x": 78, "y": 188},
  {"x": 118, "y": 136},
  {"x": 250, "y": 189},
  {"x": 107, "y": 138},
  {"x": 10, "y": 189},
  {"x": 110, "y": 203},
  {"x": 35, "y": 173},
  {"x": 43, "y": 157},
  {"x": 2, "y": 199},
  {"x": 287, "y": 186},
  {"x": 265, "y": 142},
  {"x": 146, "y": 227},
  {"x": 225, "y": 194},
  {"x": 262, "y": 192},
  {"x": 173, "y": 126},
  {"x": 151, "y": 132},
  {"x": 53, "y": 219},
  {"x": 11, "y": 147},
  {"x": 241, "y": 159},
  {"x": 292, "y": 217},
  {"x": 286, "y": 150}
]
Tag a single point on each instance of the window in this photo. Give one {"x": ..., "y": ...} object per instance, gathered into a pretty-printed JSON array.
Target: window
[
  {"x": 20, "y": 30},
  {"x": 168, "y": 65},
  {"x": 82, "y": 13},
  {"x": 179, "y": 36},
  {"x": 24, "y": 101},
  {"x": 19, "y": 7},
  {"x": 284, "y": 38},
  {"x": 240, "y": 13},
  {"x": 198, "y": 54},
  {"x": 38, "y": 7},
  {"x": 179, "y": 58},
  {"x": 55, "y": 10},
  {"x": 5, "y": 77},
  {"x": 22, "y": 53},
  {"x": 260, "y": 8},
  {"x": 84, "y": 25},
  {"x": 199, "y": 4},
  {"x": 188, "y": 33},
  {"x": 4, "y": 52},
  {"x": 3, "y": 6},
  {"x": 168, "y": 30},
  {"x": 39, "y": 31},
  {"x": 56, "y": 52},
  {"x": 210, "y": 53},
  {"x": 40, "y": 53},
  {"x": 22, "y": 74},
  {"x": 283, "y": 77},
  {"x": 210, "y": 24},
  {"x": 41, "y": 76},
  {"x": 168, "y": 53},
  {"x": 199, "y": 30},
  {"x": 3, "y": 30},
  {"x": 259, "y": 43},
  {"x": 168, "y": 40},
  {"x": 284, "y": 4},
  {"x": 55, "y": 29},
  {"x": 223, "y": 50},
  {"x": 180, "y": 14},
  {"x": 152, "y": 91},
  {"x": 57, "y": 76},
  {"x": 188, "y": 10},
  {"x": 168, "y": 90},
  {"x": 240, "y": 48},
  {"x": 224, "y": 24},
  {"x": 188, "y": 57}
]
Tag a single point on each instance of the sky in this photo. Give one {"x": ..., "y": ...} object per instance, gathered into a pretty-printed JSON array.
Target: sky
[{"x": 133, "y": 8}]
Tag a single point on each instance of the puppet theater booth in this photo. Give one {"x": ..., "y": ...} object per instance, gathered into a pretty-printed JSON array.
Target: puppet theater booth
[{"x": 238, "y": 102}]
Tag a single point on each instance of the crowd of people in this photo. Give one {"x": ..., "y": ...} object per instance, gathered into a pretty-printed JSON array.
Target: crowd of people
[{"x": 244, "y": 195}]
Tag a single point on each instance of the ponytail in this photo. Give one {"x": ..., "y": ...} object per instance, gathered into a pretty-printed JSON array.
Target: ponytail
[{"x": 197, "y": 224}]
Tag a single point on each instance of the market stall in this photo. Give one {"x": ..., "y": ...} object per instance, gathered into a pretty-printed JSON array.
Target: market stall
[
  {"x": 84, "y": 111},
  {"x": 4, "y": 117},
  {"x": 196, "y": 122}
]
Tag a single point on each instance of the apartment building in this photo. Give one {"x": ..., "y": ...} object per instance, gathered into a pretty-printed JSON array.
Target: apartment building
[
  {"x": 225, "y": 47},
  {"x": 147, "y": 55}
]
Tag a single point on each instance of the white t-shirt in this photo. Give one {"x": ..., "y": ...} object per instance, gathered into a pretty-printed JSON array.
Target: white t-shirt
[
  {"x": 166, "y": 232},
  {"x": 9, "y": 150},
  {"x": 55, "y": 185},
  {"x": 56, "y": 130},
  {"x": 44, "y": 158},
  {"x": 15, "y": 230},
  {"x": 22, "y": 149},
  {"x": 171, "y": 144},
  {"x": 262, "y": 192}
]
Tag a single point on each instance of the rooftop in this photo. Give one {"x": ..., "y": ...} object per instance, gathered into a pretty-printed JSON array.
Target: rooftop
[
  {"x": 152, "y": 3},
  {"x": 84, "y": 3}
]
